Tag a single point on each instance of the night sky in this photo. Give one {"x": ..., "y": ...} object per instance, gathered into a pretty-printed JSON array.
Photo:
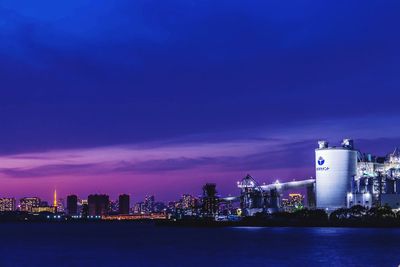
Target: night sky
[{"x": 159, "y": 97}]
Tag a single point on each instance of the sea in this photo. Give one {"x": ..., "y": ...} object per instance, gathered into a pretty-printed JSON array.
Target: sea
[{"x": 145, "y": 244}]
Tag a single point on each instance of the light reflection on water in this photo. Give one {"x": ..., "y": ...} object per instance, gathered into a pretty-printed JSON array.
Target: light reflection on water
[
  {"x": 246, "y": 228},
  {"x": 130, "y": 244}
]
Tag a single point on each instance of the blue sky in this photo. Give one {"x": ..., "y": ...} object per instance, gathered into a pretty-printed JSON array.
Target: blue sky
[{"x": 84, "y": 76}]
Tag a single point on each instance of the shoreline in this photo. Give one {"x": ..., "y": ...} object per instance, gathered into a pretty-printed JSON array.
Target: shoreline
[
  {"x": 216, "y": 224},
  {"x": 219, "y": 224}
]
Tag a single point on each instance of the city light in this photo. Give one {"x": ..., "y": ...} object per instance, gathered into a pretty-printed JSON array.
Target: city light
[{"x": 361, "y": 181}]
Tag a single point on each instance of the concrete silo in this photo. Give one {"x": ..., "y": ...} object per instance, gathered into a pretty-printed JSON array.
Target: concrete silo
[{"x": 336, "y": 168}]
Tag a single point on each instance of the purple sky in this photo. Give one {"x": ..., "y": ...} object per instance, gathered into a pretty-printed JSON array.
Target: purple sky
[{"x": 146, "y": 97}]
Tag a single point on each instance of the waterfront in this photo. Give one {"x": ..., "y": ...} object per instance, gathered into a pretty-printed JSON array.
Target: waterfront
[{"x": 143, "y": 244}]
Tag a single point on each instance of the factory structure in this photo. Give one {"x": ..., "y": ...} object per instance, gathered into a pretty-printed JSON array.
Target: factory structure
[
  {"x": 344, "y": 177},
  {"x": 255, "y": 198}
]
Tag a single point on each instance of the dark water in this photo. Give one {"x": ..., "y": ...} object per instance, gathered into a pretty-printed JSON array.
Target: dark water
[{"x": 132, "y": 244}]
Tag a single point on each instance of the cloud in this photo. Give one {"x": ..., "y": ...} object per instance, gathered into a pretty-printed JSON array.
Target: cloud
[
  {"x": 221, "y": 157},
  {"x": 47, "y": 171},
  {"x": 78, "y": 74},
  {"x": 164, "y": 165},
  {"x": 255, "y": 153}
]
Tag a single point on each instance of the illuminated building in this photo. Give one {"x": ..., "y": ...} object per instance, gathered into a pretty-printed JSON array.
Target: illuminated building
[
  {"x": 72, "y": 205},
  {"x": 178, "y": 205},
  {"x": 226, "y": 207},
  {"x": 171, "y": 206},
  {"x": 256, "y": 198},
  {"x": 346, "y": 177},
  {"x": 295, "y": 202},
  {"x": 188, "y": 202},
  {"x": 61, "y": 205},
  {"x": 124, "y": 204},
  {"x": 43, "y": 209},
  {"x": 335, "y": 168},
  {"x": 132, "y": 217},
  {"x": 187, "y": 206},
  {"x": 7, "y": 204},
  {"x": 28, "y": 203},
  {"x": 98, "y": 205},
  {"x": 139, "y": 208},
  {"x": 285, "y": 205},
  {"x": 148, "y": 204}
]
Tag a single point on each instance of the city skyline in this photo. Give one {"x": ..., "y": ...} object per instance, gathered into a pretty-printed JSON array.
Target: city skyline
[
  {"x": 160, "y": 98},
  {"x": 64, "y": 198},
  {"x": 199, "y": 133},
  {"x": 137, "y": 193}
]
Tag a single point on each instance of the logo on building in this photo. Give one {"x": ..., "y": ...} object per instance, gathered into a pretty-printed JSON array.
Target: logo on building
[{"x": 321, "y": 161}]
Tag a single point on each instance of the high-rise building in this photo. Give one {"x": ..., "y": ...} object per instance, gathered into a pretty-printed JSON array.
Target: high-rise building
[
  {"x": 28, "y": 203},
  {"x": 188, "y": 202},
  {"x": 60, "y": 205},
  {"x": 7, "y": 204},
  {"x": 84, "y": 208},
  {"x": 124, "y": 204},
  {"x": 98, "y": 205},
  {"x": 210, "y": 200},
  {"x": 139, "y": 208},
  {"x": 72, "y": 205},
  {"x": 149, "y": 204}
]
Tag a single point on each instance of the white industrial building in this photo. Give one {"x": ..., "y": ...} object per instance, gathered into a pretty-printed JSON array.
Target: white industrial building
[{"x": 347, "y": 177}]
